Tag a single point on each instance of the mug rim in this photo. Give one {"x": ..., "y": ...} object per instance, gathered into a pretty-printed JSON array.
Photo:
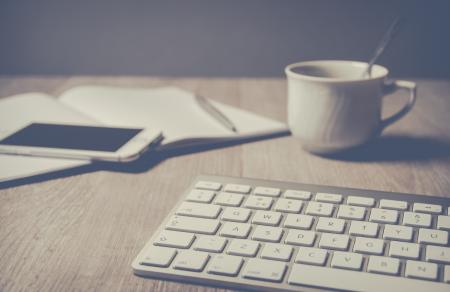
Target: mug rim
[{"x": 288, "y": 70}]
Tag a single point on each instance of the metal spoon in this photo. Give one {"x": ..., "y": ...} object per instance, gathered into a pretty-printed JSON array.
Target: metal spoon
[{"x": 384, "y": 42}]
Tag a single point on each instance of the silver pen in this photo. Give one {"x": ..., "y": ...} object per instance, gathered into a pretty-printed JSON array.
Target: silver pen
[{"x": 215, "y": 113}]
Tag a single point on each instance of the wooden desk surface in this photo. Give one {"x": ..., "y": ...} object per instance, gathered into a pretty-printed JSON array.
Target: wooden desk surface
[{"x": 81, "y": 232}]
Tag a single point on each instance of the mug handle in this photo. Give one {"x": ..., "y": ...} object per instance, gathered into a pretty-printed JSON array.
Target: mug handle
[{"x": 394, "y": 86}]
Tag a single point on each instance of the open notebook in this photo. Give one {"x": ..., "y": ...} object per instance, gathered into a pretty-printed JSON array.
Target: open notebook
[{"x": 173, "y": 111}]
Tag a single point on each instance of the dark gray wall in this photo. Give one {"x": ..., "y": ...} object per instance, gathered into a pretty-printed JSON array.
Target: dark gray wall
[{"x": 217, "y": 38}]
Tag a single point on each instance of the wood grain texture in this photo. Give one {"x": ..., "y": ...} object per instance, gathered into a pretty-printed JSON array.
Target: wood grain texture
[{"x": 81, "y": 232}]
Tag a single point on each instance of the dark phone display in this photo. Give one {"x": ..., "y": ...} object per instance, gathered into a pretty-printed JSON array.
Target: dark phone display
[{"x": 71, "y": 137}]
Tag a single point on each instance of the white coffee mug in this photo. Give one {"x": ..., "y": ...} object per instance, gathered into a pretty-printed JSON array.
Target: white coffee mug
[{"x": 333, "y": 107}]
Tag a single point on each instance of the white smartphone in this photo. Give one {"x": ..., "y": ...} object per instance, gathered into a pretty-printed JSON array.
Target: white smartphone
[{"x": 78, "y": 141}]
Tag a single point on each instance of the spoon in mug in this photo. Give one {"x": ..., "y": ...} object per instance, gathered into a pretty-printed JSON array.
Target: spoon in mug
[{"x": 387, "y": 37}]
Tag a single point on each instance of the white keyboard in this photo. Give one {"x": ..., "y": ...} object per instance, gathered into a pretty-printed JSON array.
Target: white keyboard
[{"x": 278, "y": 236}]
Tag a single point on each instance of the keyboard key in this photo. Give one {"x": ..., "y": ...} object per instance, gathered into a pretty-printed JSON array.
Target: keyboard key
[
  {"x": 298, "y": 221},
  {"x": 300, "y": 237},
  {"x": 362, "y": 228},
  {"x": 158, "y": 257},
  {"x": 236, "y": 188},
  {"x": 174, "y": 239},
  {"x": 437, "y": 254},
  {"x": 225, "y": 265},
  {"x": 404, "y": 250},
  {"x": 432, "y": 236},
  {"x": 427, "y": 208},
  {"x": 421, "y": 270},
  {"x": 258, "y": 202},
  {"x": 243, "y": 247},
  {"x": 193, "y": 225},
  {"x": 329, "y": 198},
  {"x": 288, "y": 206},
  {"x": 416, "y": 219},
  {"x": 277, "y": 252},
  {"x": 201, "y": 196},
  {"x": 319, "y": 209},
  {"x": 397, "y": 232},
  {"x": 298, "y": 195},
  {"x": 443, "y": 222},
  {"x": 264, "y": 191},
  {"x": 360, "y": 201},
  {"x": 334, "y": 241},
  {"x": 365, "y": 245},
  {"x": 188, "y": 260},
  {"x": 330, "y": 225},
  {"x": 447, "y": 274},
  {"x": 346, "y": 260},
  {"x": 266, "y": 233},
  {"x": 351, "y": 212},
  {"x": 229, "y": 199},
  {"x": 267, "y": 218},
  {"x": 393, "y": 204},
  {"x": 236, "y": 214},
  {"x": 383, "y": 265},
  {"x": 198, "y": 210},
  {"x": 383, "y": 216},
  {"x": 236, "y": 230},
  {"x": 312, "y": 256},
  {"x": 208, "y": 185},
  {"x": 210, "y": 243},
  {"x": 264, "y": 270}
]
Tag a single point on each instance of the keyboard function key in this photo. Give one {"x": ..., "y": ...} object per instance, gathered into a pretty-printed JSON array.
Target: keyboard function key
[
  {"x": 319, "y": 209},
  {"x": 208, "y": 185},
  {"x": 189, "y": 260},
  {"x": 209, "y": 243},
  {"x": 393, "y": 204},
  {"x": 269, "y": 218},
  {"x": 236, "y": 188},
  {"x": 312, "y": 256},
  {"x": 363, "y": 228},
  {"x": 297, "y": 195},
  {"x": 329, "y": 198},
  {"x": 330, "y": 225},
  {"x": 225, "y": 265},
  {"x": 201, "y": 196},
  {"x": 236, "y": 230},
  {"x": 236, "y": 214},
  {"x": 404, "y": 250},
  {"x": 383, "y": 265},
  {"x": 437, "y": 254},
  {"x": 427, "y": 208},
  {"x": 416, "y": 219},
  {"x": 383, "y": 216},
  {"x": 346, "y": 260},
  {"x": 258, "y": 202},
  {"x": 421, "y": 270},
  {"x": 174, "y": 239},
  {"x": 300, "y": 237},
  {"x": 277, "y": 252},
  {"x": 398, "y": 232},
  {"x": 265, "y": 270},
  {"x": 443, "y": 222},
  {"x": 265, "y": 191},
  {"x": 243, "y": 247},
  {"x": 366, "y": 245},
  {"x": 198, "y": 210},
  {"x": 288, "y": 206},
  {"x": 351, "y": 212},
  {"x": 267, "y": 233},
  {"x": 159, "y": 257},
  {"x": 432, "y": 236},
  {"x": 360, "y": 201},
  {"x": 334, "y": 241},
  {"x": 298, "y": 221},
  {"x": 229, "y": 199}
]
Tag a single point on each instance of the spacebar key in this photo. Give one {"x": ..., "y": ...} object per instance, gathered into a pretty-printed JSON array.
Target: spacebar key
[
  {"x": 358, "y": 281},
  {"x": 194, "y": 225}
]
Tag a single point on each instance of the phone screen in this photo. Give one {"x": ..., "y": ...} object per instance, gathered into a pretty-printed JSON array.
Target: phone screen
[{"x": 71, "y": 137}]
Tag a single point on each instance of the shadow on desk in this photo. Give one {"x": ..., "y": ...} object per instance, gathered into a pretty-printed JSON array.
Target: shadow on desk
[
  {"x": 146, "y": 162},
  {"x": 395, "y": 148}
]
